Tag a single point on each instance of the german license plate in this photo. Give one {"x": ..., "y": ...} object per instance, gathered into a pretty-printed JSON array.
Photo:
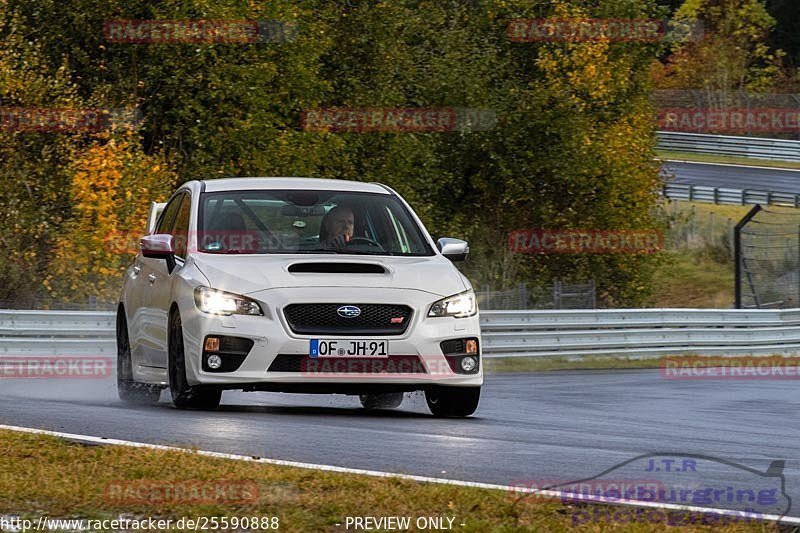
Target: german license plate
[{"x": 348, "y": 348}]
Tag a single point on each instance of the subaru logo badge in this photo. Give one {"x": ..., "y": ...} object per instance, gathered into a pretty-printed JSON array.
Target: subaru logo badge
[{"x": 348, "y": 311}]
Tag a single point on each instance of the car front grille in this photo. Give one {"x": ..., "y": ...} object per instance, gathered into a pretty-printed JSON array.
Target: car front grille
[
  {"x": 324, "y": 319},
  {"x": 395, "y": 364}
]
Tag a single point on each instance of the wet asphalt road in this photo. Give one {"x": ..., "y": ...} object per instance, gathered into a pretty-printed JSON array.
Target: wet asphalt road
[
  {"x": 734, "y": 177},
  {"x": 564, "y": 426}
]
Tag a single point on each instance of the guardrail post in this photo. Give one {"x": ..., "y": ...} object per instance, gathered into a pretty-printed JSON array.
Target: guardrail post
[
  {"x": 523, "y": 296},
  {"x": 737, "y": 252}
]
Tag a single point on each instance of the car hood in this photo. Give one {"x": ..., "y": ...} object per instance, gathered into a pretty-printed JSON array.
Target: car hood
[{"x": 246, "y": 274}]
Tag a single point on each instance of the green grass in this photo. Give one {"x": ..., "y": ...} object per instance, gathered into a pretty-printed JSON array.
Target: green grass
[
  {"x": 42, "y": 475},
  {"x": 693, "y": 279},
  {"x": 724, "y": 159},
  {"x": 501, "y": 365}
]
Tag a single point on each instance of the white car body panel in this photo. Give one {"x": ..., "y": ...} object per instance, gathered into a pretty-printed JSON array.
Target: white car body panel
[{"x": 150, "y": 291}]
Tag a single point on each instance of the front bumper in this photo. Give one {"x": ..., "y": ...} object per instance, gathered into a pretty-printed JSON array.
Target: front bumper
[{"x": 272, "y": 337}]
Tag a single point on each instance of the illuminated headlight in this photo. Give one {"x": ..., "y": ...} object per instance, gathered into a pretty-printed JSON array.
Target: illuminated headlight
[
  {"x": 459, "y": 306},
  {"x": 225, "y": 303}
]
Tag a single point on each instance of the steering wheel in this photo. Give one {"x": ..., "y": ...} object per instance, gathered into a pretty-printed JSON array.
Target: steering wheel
[{"x": 365, "y": 240}]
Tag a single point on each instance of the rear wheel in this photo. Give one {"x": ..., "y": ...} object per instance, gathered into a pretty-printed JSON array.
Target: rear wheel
[
  {"x": 130, "y": 391},
  {"x": 388, "y": 400},
  {"x": 453, "y": 401},
  {"x": 185, "y": 396}
]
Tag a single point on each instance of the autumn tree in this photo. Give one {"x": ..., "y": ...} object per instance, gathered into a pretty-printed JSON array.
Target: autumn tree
[
  {"x": 733, "y": 53},
  {"x": 33, "y": 175},
  {"x": 571, "y": 147},
  {"x": 112, "y": 185}
]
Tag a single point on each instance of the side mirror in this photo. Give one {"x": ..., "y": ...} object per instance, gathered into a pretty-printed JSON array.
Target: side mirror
[
  {"x": 159, "y": 246},
  {"x": 453, "y": 249}
]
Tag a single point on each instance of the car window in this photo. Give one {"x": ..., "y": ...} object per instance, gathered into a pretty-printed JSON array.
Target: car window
[
  {"x": 307, "y": 222},
  {"x": 399, "y": 230},
  {"x": 168, "y": 215},
  {"x": 180, "y": 229}
]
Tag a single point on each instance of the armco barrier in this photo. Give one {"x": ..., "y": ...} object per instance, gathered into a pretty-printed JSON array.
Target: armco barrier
[
  {"x": 527, "y": 333},
  {"x": 752, "y": 147},
  {"x": 723, "y": 195}
]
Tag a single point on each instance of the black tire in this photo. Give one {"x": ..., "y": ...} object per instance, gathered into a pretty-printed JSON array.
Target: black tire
[
  {"x": 453, "y": 401},
  {"x": 388, "y": 400},
  {"x": 130, "y": 391},
  {"x": 185, "y": 396}
]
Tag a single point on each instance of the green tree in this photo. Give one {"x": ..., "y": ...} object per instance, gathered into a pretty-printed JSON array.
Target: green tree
[
  {"x": 733, "y": 53},
  {"x": 33, "y": 175},
  {"x": 571, "y": 149}
]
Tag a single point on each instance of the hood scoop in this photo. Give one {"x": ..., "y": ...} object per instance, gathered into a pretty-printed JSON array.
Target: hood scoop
[{"x": 336, "y": 268}]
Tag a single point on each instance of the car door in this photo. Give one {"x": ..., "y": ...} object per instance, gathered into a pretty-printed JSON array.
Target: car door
[
  {"x": 144, "y": 330},
  {"x": 161, "y": 289}
]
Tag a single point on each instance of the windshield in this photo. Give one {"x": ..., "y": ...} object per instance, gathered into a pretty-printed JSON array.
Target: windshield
[{"x": 292, "y": 221}]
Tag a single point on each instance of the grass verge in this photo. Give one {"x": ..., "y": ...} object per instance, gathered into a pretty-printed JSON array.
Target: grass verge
[
  {"x": 43, "y": 475},
  {"x": 694, "y": 280},
  {"x": 729, "y": 160},
  {"x": 502, "y": 365}
]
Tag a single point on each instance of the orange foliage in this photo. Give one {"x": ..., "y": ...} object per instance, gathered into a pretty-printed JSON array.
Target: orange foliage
[{"x": 112, "y": 186}]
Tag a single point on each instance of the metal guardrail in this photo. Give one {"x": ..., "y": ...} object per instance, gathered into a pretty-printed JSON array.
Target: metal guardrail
[
  {"x": 751, "y": 147},
  {"x": 722, "y": 195},
  {"x": 57, "y": 333},
  {"x": 640, "y": 332},
  {"x": 530, "y": 333}
]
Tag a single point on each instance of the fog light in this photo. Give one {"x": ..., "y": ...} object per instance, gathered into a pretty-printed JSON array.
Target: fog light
[
  {"x": 468, "y": 364},
  {"x": 212, "y": 344},
  {"x": 471, "y": 346},
  {"x": 214, "y": 362}
]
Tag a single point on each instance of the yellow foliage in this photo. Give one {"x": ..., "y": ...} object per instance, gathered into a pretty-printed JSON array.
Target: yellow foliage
[{"x": 111, "y": 190}]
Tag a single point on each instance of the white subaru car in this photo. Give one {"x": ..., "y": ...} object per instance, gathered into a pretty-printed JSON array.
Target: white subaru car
[{"x": 297, "y": 285}]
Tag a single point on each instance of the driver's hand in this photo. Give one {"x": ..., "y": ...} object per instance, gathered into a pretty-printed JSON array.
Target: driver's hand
[{"x": 339, "y": 242}]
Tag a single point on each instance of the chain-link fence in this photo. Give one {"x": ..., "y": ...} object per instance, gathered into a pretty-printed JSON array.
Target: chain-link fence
[
  {"x": 558, "y": 296},
  {"x": 690, "y": 228},
  {"x": 768, "y": 258},
  {"x": 703, "y": 101}
]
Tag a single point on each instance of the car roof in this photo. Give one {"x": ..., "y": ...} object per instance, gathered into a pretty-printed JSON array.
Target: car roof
[{"x": 250, "y": 184}]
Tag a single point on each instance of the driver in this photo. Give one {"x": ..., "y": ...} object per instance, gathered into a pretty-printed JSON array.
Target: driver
[{"x": 337, "y": 227}]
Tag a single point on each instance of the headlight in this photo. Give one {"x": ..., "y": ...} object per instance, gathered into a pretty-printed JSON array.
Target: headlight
[
  {"x": 225, "y": 303},
  {"x": 458, "y": 306}
]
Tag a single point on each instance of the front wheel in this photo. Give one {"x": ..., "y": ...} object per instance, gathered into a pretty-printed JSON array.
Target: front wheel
[
  {"x": 388, "y": 400},
  {"x": 185, "y": 396},
  {"x": 453, "y": 401},
  {"x": 128, "y": 390}
]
